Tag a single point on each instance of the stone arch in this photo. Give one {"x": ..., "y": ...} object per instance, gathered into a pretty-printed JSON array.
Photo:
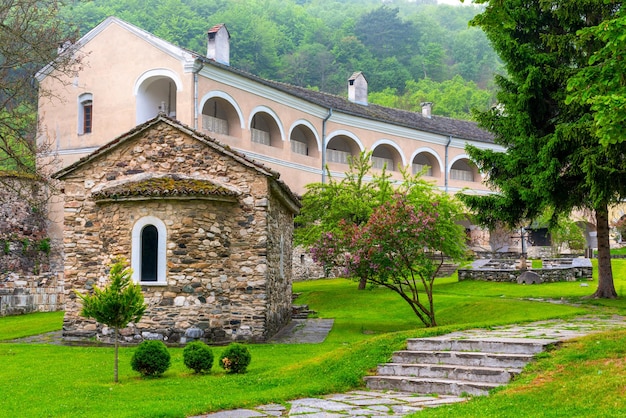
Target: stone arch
[
  {"x": 342, "y": 145},
  {"x": 138, "y": 249},
  {"x": 304, "y": 138},
  {"x": 265, "y": 127},
  {"x": 386, "y": 152},
  {"x": 221, "y": 114},
  {"x": 155, "y": 91},
  {"x": 426, "y": 157}
]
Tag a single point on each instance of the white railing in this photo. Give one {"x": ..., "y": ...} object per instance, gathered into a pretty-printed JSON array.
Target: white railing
[
  {"x": 335, "y": 156},
  {"x": 260, "y": 137},
  {"x": 380, "y": 162},
  {"x": 419, "y": 167},
  {"x": 213, "y": 124},
  {"x": 299, "y": 148},
  {"x": 464, "y": 175}
]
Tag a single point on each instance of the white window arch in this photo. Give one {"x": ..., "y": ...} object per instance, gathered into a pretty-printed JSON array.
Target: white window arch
[{"x": 148, "y": 262}]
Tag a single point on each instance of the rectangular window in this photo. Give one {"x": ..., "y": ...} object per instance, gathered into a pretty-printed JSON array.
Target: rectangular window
[
  {"x": 87, "y": 117},
  {"x": 336, "y": 156},
  {"x": 461, "y": 175},
  {"x": 260, "y": 137},
  {"x": 380, "y": 162},
  {"x": 299, "y": 147}
]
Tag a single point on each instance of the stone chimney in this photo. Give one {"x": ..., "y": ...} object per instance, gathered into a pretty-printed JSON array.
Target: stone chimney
[
  {"x": 427, "y": 109},
  {"x": 357, "y": 88},
  {"x": 218, "y": 46}
]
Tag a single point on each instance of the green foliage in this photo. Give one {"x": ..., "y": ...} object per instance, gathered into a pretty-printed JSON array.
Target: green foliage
[
  {"x": 151, "y": 358},
  {"x": 44, "y": 246},
  {"x": 319, "y": 44},
  {"x": 350, "y": 199},
  {"x": 401, "y": 246},
  {"x": 235, "y": 358},
  {"x": 552, "y": 159},
  {"x": 567, "y": 232},
  {"x": 363, "y": 335},
  {"x": 455, "y": 98},
  {"x": 20, "y": 326},
  {"x": 30, "y": 35},
  {"x": 117, "y": 304},
  {"x": 600, "y": 85},
  {"x": 198, "y": 357},
  {"x": 25, "y": 245}
]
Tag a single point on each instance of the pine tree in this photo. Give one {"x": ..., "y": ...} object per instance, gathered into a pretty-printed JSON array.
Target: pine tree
[
  {"x": 553, "y": 159},
  {"x": 117, "y": 304}
]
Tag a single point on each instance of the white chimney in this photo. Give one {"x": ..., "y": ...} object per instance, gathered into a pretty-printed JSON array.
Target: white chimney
[
  {"x": 427, "y": 109},
  {"x": 218, "y": 46},
  {"x": 357, "y": 88}
]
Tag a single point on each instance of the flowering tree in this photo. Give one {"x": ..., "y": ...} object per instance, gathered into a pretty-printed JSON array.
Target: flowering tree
[
  {"x": 349, "y": 200},
  {"x": 401, "y": 246}
]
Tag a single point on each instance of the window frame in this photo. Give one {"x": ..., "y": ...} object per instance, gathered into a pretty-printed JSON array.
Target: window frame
[
  {"x": 85, "y": 117},
  {"x": 136, "y": 256}
]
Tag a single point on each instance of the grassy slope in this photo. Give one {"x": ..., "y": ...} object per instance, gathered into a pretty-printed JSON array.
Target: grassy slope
[{"x": 369, "y": 325}]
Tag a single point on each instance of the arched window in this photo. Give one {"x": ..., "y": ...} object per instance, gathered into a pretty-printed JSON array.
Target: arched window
[
  {"x": 148, "y": 251},
  {"x": 85, "y": 113},
  {"x": 462, "y": 170}
]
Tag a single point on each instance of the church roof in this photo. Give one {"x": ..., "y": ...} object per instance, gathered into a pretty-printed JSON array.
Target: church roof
[{"x": 184, "y": 185}]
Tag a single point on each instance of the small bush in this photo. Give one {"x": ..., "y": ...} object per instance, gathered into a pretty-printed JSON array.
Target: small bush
[
  {"x": 235, "y": 358},
  {"x": 151, "y": 358},
  {"x": 198, "y": 357}
]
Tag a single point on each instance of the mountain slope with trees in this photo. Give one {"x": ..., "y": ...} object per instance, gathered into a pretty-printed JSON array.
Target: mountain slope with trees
[{"x": 405, "y": 49}]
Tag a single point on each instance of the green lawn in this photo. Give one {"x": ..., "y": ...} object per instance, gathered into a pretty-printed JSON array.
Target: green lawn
[{"x": 59, "y": 381}]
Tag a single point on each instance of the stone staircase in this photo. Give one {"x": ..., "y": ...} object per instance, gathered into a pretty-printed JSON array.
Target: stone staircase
[
  {"x": 456, "y": 366},
  {"x": 447, "y": 269}
]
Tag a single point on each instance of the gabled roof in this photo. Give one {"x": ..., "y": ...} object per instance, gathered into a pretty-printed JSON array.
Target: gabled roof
[
  {"x": 208, "y": 141},
  {"x": 414, "y": 120},
  {"x": 165, "y": 46}
]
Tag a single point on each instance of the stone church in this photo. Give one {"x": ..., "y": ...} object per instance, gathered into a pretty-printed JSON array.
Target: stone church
[{"x": 207, "y": 231}]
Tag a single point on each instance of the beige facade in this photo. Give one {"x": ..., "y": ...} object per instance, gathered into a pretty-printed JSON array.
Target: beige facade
[
  {"x": 128, "y": 76},
  {"x": 208, "y": 233}
]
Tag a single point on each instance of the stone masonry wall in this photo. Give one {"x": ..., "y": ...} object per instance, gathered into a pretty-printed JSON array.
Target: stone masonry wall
[
  {"x": 547, "y": 275},
  {"x": 25, "y": 294},
  {"x": 218, "y": 260},
  {"x": 279, "y": 272},
  {"x": 28, "y": 279}
]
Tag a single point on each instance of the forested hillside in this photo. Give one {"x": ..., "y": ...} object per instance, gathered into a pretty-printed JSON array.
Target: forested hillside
[{"x": 409, "y": 51}]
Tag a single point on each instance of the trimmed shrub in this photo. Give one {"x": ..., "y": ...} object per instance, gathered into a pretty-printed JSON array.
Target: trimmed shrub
[
  {"x": 151, "y": 358},
  {"x": 235, "y": 358},
  {"x": 198, "y": 357}
]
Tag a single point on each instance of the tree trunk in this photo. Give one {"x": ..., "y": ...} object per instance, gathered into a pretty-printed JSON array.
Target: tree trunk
[
  {"x": 362, "y": 283},
  {"x": 606, "y": 288},
  {"x": 116, "y": 357}
]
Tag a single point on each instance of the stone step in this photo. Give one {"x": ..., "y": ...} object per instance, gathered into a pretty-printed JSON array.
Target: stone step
[
  {"x": 463, "y": 358},
  {"x": 486, "y": 345},
  {"x": 447, "y": 371},
  {"x": 429, "y": 385}
]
